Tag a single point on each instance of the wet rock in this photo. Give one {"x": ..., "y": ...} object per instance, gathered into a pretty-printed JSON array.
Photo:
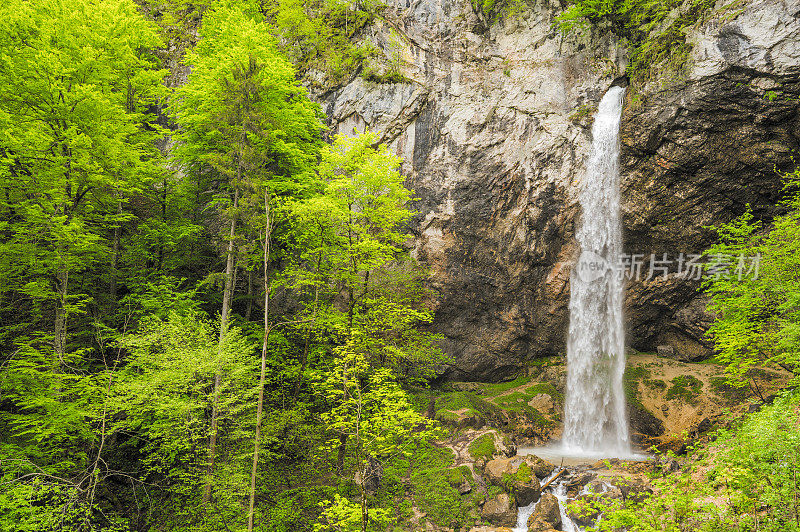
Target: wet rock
[
  {"x": 547, "y": 515},
  {"x": 644, "y": 422},
  {"x": 675, "y": 445},
  {"x": 633, "y": 489},
  {"x": 596, "y": 486},
  {"x": 582, "y": 479},
  {"x": 541, "y": 468},
  {"x": 670, "y": 466},
  {"x": 704, "y": 426},
  {"x": 500, "y": 510}
]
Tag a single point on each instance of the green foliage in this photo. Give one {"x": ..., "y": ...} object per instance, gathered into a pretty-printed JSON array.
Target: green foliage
[
  {"x": 342, "y": 515},
  {"x": 319, "y": 35},
  {"x": 655, "y": 29},
  {"x": 482, "y": 447},
  {"x": 750, "y": 484},
  {"x": 493, "y": 10},
  {"x": 242, "y": 111},
  {"x": 110, "y": 370},
  {"x": 757, "y": 303},
  {"x": 350, "y": 238}
]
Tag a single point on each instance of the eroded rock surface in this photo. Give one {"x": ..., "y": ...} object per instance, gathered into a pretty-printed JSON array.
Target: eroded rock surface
[
  {"x": 546, "y": 516},
  {"x": 491, "y": 123},
  {"x": 500, "y": 510}
]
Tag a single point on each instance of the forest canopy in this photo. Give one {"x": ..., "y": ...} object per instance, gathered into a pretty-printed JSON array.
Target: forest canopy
[{"x": 200, "y": 295}]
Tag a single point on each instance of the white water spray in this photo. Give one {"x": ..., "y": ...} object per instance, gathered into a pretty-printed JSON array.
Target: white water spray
[{"x": 595, "y": 420}]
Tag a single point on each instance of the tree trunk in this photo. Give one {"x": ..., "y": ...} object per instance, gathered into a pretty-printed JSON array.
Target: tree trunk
[
  {"x": 115, "y": 257},
  {"x": 249, "y": 311},
  {"x": 340, "y": 454},
  {"x": 60, "y": 322},
  {"x": 223, "y": 329},
  {"x": 364, "y": 515},
  {"x": 260, "y": 408}
]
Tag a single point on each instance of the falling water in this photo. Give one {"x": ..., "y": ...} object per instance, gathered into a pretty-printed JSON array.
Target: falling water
[{"x": 595, "y": 421}]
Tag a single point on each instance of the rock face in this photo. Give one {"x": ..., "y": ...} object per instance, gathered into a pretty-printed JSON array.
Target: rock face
[
  {"x": 546, "y": 516},
  {"x": 491, "y": 125},
  {"x": 500, "y": 510}
]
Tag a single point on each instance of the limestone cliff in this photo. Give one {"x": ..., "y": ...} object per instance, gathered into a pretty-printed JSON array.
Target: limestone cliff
[{"x": 492, "y": 121}]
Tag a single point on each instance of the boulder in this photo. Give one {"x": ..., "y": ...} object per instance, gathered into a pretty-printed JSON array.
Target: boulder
[
  {"x": 518, "y": 476},
  {"x": 543, "y": 403},
  {"x": 582, "y": 479},
  {"x": 665, "y": 351},
  {"x": 540, "y": 467},
  {"x": 500, "y": 510},
  {"x": 547, "y": 515},
  {"x": 495, "y": 469}
]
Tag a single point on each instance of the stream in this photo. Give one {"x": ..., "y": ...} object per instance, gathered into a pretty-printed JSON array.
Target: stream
[
  {"x": 557, "y": 488},
  {"x": 574, "y": 465}
]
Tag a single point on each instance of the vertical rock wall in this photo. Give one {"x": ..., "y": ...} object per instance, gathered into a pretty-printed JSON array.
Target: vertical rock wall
[{"x": 493, "y": 124}]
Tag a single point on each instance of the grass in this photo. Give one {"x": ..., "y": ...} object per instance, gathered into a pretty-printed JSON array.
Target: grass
[
  {"x": 517, "y": 402},
  {"x": 493, "y": 491},
  {"x": 495, "y": 389},
  {"x": 457, "y": 475},
  {"x": 630, "y": 384},
  {"x": 584, "y": 111},
  {"x": 452, "y": 402},
  {"x": 655, "y": 383},
  {"x": 685, "y": 387},
  {"x": 547, "y": 388}
]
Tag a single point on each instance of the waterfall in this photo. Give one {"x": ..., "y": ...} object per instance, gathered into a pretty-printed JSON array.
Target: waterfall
[{"x": 595, "y": 420}]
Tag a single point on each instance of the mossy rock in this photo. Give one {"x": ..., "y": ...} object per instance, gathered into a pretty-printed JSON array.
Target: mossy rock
[
  {"x": 483, "y": 447},
  {"x": 523, "y": 484}
]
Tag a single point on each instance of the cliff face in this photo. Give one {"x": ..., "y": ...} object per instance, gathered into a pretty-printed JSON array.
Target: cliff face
[{"x": 493, "y": 124}]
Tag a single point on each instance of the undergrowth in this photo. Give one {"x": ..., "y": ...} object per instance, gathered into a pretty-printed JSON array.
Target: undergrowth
[{"x": 747, "y": 480}]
